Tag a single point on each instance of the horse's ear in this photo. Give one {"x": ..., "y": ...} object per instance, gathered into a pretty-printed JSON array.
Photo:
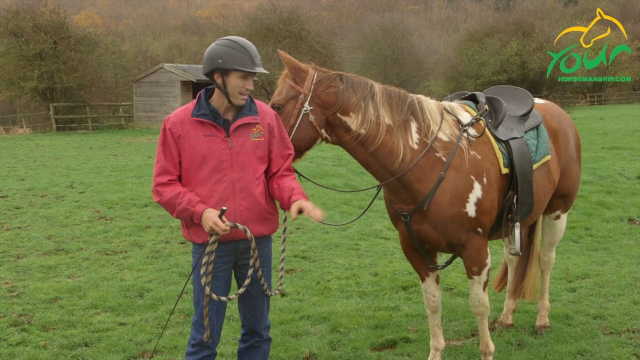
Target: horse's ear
[{"x": 294, "y": 66}]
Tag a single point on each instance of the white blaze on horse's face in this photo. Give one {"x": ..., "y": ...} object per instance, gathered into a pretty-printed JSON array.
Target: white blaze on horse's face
[{"x": 474, "y": 196}]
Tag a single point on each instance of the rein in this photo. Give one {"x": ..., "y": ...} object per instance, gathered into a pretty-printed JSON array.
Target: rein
[
  {"x": 405, "y": 216},
  {"x": 306, "y": 109}
]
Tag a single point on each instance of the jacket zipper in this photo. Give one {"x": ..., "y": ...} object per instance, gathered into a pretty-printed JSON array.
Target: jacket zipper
[{"x": 233, "y": 187}]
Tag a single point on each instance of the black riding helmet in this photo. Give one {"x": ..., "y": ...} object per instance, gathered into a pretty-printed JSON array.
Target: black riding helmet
[{"x": 231, "y": 53}]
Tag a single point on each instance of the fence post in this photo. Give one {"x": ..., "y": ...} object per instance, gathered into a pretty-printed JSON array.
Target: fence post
[
  {"x": 89, "y": 117},
  {"x": 24, "y": 126},
  {"x": 122, "y": 117},
  {"x": 53, "y": 117}
]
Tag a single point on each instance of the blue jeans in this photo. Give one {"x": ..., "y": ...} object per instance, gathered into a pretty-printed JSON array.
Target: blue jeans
[{"x": 253, "y": 304}]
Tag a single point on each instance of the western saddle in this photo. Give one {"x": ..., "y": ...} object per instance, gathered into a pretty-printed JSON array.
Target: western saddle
[{"x": 508, "y": 113}]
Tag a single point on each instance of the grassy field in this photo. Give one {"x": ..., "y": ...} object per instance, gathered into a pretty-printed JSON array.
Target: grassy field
[{"x": 90, "y": 266}]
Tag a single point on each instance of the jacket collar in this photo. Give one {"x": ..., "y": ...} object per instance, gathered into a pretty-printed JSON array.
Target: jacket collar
[{"x": 203, "y": 109}]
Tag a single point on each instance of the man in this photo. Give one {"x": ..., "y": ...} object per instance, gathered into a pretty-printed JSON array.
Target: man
[{"x": 228, "y": 149}]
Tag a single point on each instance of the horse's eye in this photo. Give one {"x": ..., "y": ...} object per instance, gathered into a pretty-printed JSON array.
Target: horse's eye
[{"x": 276, "y": 107}]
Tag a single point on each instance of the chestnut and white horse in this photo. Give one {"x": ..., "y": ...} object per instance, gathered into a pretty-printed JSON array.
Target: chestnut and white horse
[{"x": 387, "y": 129}]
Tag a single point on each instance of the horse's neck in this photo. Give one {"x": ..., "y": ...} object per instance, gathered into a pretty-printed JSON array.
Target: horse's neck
[{"x": 379, "y": 161}]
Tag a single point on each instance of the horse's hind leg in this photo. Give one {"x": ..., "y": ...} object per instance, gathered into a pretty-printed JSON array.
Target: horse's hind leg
[{"x": 553, "y": 227}]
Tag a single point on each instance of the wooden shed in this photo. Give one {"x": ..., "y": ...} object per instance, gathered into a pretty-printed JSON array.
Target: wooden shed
[{"x": 164, "y": 88}]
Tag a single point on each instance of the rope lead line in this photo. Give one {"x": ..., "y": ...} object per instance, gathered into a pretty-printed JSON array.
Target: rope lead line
[{"x": 254, "y": 265}]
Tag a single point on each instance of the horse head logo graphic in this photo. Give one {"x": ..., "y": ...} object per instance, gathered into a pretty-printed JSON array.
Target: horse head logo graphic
[
  {"x": 600, "y": 15},
  {"x": 257, "y": 133}
]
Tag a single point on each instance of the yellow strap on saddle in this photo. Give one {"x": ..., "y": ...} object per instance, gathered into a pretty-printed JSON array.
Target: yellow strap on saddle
[{"x": 496, "y": 149}]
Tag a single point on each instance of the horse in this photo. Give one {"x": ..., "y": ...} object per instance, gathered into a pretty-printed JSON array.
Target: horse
[{"x": 409, "y": 138}]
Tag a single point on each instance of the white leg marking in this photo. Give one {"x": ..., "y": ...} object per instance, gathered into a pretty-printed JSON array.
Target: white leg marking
[
  {"x": 553, "y": 227},
  {"x": 432, "y": 301},
  {"x": 510, "y": 305},
  {"x": 474, "y": 196},
  {"x": 479, "y": 302}
]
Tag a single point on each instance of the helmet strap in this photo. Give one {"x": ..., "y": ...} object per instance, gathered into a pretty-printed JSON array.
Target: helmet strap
[{"x": 223, "y": 90}]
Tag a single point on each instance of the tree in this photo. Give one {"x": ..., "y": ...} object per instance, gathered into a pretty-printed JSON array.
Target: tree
[
  {"x": 387, "y": 51},
  {"x": 287, "y": 28},
  {"x": 42, "y": 55}
]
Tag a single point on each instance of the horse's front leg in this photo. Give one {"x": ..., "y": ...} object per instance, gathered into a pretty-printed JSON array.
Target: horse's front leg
[
  {"x": 477, "y": 263},
  {"x": 430, "y": 281},
  {"x": 510, "y": 300}
]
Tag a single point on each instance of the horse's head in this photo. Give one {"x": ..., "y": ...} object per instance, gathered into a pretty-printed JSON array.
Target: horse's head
[
  {"x": 592, "y": 34},
  {"x": 303, "y": 102}
]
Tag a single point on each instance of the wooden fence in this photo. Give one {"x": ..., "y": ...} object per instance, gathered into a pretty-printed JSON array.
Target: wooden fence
[
  {"x": 629, "y": 97},
  {"x": 26, "y": 123},
  {"x": 70, "y": 117},
  {"x": 65, "y": 117}
]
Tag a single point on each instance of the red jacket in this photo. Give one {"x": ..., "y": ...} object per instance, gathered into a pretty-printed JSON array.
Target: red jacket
[{"x": 198, "y": 167}]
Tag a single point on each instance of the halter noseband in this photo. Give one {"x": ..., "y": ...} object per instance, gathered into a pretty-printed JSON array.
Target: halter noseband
[{"x": 304, "y": 108}]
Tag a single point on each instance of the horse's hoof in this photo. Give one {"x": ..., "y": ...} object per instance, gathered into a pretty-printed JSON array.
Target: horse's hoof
[
  {"x": 497, "y": 324},
  {"x": 541, "y": 329}
]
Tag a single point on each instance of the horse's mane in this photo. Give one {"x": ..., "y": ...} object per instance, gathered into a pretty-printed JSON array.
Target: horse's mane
[
  {"x": 404, "y": 114},
  {"x": 373, "y": 104}
]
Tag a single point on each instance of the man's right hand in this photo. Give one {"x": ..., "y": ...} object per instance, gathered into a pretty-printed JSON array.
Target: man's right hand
[{"x": 212, "y": 224}]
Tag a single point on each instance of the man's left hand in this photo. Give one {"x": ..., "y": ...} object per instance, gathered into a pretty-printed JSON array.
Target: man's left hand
[{"x": 307, "y": 208}]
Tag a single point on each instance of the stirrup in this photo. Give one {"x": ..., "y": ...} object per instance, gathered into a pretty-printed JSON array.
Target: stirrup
[{"x": 514, "y": 250}]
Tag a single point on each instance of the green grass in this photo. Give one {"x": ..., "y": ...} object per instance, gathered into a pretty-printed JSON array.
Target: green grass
[{"x": 90, "y": 266}]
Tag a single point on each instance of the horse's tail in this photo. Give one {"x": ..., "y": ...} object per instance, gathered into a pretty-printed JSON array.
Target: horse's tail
[{"x": 526, "y": 279}]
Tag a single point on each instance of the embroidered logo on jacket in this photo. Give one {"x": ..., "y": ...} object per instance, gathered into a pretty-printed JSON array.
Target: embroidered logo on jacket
[{"x": 257, "y": 133}]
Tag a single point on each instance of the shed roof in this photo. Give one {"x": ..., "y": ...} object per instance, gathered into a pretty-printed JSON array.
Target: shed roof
[{"x": 189, "y": 72}]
